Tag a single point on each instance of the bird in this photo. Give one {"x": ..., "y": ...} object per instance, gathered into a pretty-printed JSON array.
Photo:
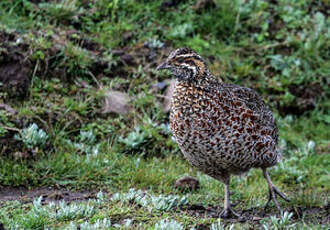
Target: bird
[{"x": 222, "y": 129}]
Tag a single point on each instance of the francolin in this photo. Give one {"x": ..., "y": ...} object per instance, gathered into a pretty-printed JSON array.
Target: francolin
[{"x": 221, "y": 129}]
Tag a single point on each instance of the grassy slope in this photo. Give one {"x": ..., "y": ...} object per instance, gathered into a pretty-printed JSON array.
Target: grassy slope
[{"x": 277, "y": 48}]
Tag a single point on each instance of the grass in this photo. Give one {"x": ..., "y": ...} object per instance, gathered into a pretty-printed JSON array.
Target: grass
[{"x": 75, "y": 51}]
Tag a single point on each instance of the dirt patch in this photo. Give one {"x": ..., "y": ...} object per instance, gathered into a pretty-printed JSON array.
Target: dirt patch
[
  {"x": 305, "y": 99},
  {"x": 254, "y": 215},
  {"x": 48, "y": 194},
  {"x": 19, "y": 60},
  {"x": 14, "y": 67}
]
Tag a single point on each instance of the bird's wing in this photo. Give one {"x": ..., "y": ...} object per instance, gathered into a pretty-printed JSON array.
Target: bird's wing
[{"x": 255, "y": 102}]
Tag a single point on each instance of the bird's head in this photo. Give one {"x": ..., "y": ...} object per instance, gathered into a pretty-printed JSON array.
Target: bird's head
[{"x": 185, "y": 64}]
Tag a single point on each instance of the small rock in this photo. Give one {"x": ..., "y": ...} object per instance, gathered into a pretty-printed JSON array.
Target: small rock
[
  {"x": 187, "y": 183},
  {"x": 168, "y": 96},
  {"x": 117, "y": 102}
]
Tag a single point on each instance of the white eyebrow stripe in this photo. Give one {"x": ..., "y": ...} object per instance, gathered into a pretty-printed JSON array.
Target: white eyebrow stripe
[
  {"x": 187, "y": 55},
  {"x": 193, "y": 68}
]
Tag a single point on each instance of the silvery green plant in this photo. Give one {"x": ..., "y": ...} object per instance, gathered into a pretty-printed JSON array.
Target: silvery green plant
[
  {"x": 219, "y": 226},
  {"x": 166, "y": 203},
  {"x": 86, "y": 143},
  {"x": 155, "y": 43},
  {"x": 63, "y": 211},
  {"x": 71, "y": 226},
  {"x": 165, "y": 128},
  {"x": 36, "y": 218},
  {"x": 283, "y": 221},
  {"x": 72, "y": 211},
  {"x": 100, "y": 197},
  {"x": 131, "y": 195},
  {"x": 135, "y": 138},
  {"x": 168, "y": 225},
  {"x": 280, "y": 223},
  {"x": 161, "y": 202},
  {"x": 87, "y": 137},
  {"x": 32, "y": 136},
  {"x": 127, "y": 223},
  {"x": 98, "y": 225},
  {"x": 181, "y": 31}
]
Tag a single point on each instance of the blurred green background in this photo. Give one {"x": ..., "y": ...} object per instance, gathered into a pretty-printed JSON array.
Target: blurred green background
[{"x": 82, "y": 107}]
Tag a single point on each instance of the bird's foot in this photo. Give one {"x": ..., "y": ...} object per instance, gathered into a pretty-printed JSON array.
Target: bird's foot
[
  {"x": 228, "y": 213},
  {"x": 273, "y": 192}
]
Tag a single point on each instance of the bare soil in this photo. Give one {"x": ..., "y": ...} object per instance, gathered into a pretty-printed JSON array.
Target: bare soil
[
  {"x": 48, "y": 194},
  {"x": 317, "y": 215},
  {"x": 253, "y": 216},
  {"x": 14, "y": 68}
]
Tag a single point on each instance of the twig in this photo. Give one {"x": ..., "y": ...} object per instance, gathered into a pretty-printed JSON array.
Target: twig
[
  {"x": 94, "y": 78},
  {"x": 11, "y": 129},
  {"x": 274, "y": 45}
]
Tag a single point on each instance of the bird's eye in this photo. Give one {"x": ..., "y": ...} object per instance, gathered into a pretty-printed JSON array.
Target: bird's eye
[{"x": 180, "y": 60}]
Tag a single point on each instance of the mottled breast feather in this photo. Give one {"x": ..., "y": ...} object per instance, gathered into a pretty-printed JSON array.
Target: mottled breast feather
[{"x": 223, "y": 128}]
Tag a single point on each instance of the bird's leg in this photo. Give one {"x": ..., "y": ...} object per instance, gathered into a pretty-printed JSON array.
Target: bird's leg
[
  {"x": 273, "y": 192},
  {"x": 228, "y": 211}
]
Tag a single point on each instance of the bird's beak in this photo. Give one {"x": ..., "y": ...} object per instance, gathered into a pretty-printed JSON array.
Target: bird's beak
[{"x": 164, "y": 65}]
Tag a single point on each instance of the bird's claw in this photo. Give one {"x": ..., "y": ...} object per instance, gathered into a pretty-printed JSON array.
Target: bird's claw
[
  {"x": 273, "y": 192},
  {"x": 227, "y": 213}
]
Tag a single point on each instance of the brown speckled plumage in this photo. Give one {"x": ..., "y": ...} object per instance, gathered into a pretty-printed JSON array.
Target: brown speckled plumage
[{"x": 221, "y": 129}]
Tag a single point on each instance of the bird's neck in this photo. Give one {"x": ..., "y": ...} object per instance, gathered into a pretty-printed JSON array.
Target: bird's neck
[
  {"x": 204, "y": 80},
  {"x": 187, "y": 93}
]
